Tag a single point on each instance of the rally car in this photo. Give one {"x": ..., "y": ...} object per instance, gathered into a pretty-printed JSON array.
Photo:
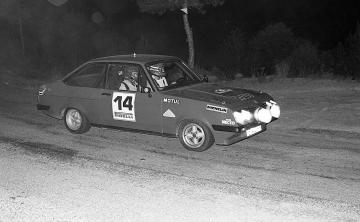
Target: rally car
[{"x": 159, "y": 95}]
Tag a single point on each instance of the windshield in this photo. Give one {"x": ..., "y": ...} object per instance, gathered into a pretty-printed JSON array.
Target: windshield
[{"x": 171, "y": 74}]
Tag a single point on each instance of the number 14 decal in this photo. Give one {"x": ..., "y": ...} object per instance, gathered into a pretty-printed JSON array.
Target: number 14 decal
[
  {"x": 126, "y": 103},
  {"x": 123, "y": 106}
]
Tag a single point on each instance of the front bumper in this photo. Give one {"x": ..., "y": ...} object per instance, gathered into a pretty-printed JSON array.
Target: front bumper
[{"x": 237, "y": 133}]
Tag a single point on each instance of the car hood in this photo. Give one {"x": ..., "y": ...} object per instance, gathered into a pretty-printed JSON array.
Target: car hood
[{"x": 221, "y": 94}]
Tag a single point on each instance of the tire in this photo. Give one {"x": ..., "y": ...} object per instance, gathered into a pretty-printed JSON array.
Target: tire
[
  {"x": 76, "y": 122},
  {"x": 195, "y": 136}
]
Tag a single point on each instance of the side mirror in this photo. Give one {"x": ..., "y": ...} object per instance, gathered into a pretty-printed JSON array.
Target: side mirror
[
  {"x": 205, "y": 78},
  {"x": 146, "y": 90}
]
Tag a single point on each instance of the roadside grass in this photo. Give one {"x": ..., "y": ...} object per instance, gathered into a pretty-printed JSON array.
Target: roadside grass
[
  {"x": 270, "y": 84},
  {"x": 293, "y": 85}
]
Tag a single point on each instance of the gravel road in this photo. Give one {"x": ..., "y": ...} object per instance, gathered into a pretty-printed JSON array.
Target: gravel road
[{"x": 306, "y": 167}]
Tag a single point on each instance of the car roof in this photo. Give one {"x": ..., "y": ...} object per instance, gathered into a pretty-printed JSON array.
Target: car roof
[{"x": 139, "y": 58}]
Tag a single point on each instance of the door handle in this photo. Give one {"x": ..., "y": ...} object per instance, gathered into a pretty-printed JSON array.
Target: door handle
[{"x": 106, "y": 94}]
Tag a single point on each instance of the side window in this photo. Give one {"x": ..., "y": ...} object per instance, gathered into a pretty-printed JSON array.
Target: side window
[
  {"x": 127, "y": 77},
  {"x": 174, "y": 73},
  {"x": 92, "y": 75},
  {"x": 116, "y": 75}
]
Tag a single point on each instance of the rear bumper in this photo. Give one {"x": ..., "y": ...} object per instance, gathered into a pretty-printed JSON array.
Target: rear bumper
[
  {"x": 236, "y": 134},
  {"x": 42, "y": 107}
]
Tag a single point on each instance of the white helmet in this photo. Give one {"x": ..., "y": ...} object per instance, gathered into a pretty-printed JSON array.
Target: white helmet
[{"x": 158, "y": 74}]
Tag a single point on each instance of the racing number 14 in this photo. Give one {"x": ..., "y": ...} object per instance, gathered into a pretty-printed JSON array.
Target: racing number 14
[{"x": 126, "y": 103}]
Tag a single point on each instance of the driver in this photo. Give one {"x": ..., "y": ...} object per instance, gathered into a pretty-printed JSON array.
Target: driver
[
  {"x": 158, "y": 74},
  {"x": 130, "y": 81}
]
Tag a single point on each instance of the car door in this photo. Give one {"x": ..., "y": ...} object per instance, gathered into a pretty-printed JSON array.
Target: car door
[
  {"x": 84, "y": 89},
  {"x": 139, "y": 108}
]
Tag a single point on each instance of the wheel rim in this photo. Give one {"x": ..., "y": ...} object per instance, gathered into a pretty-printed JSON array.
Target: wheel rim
[
  {"x": 73, "y": 119},
  {"x": 193, "y": 135}
]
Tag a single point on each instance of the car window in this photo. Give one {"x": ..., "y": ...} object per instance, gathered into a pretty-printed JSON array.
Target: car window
[
  {"x": 92, "y": 75},
  {"x": 171, "y": 74},
  {"x": 127, "y": 77}
]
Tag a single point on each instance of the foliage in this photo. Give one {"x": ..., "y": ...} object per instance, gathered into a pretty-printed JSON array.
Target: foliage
[
  {"x": 327, "y": 62},
  {"x": 347, "y": 56},
  {"x": 282, "y": 69},
  {"x": 233, "y": 51},
  {"x": 161, "y": 6},
  {"x": 56, "y": 39},
  {"x": 304, "y": 60},
  {"x": 271, "y": 46},
  {"x": 353, "y": 42}
]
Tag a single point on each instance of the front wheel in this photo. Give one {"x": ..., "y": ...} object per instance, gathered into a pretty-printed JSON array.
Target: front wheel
[
  {"x": 195, "y": 136},
  {"x": 76, "y": 121}
]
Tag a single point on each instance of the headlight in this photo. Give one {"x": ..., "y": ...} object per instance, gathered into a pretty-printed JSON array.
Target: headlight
[
  {"x": 263, "y": 115},
  {"x": 275, "y": 110},
  {"x": 243, "y": 117}
]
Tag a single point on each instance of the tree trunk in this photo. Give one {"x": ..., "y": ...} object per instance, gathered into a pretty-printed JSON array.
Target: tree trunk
[{"x": 190, "y": 40}]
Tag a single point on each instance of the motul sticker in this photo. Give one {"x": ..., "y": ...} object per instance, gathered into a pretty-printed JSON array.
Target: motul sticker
[
  {"x": 173, "y": 101},
  {"x": 123, "y": 106},
  {"x": 216, "y": 108}
]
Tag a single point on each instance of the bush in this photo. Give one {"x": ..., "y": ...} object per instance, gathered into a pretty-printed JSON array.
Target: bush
[
  {"x": 233, "y": 52},
  {"x": 327, "y": 62},
  {"x": 271, "y": 46},
  {"x": 282, "y": 69},
  {"x": 304, "y": 60},
  {"x": 353, "y": 43}
]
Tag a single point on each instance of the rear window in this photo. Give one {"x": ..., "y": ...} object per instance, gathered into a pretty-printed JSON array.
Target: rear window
[{"x": 91, "y": 75}]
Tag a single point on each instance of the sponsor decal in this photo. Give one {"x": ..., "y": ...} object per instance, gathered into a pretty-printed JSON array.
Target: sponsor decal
[
  {"x": 121, "y": 115},
  {"x": 123, "y": 106},
  {"x": 245, "y": 96},
  {"x": 216, "y": 108},
  {"x": 222, "y": 91},
  {"x": 173, "y": 101},
  {"x": 253, "y": 130},
  {"x": 169, "y": 113},
  {"x": 228, "y": 122}
]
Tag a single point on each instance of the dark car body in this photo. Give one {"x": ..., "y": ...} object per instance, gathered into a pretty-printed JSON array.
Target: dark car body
[{"x": 152, "y": 109}]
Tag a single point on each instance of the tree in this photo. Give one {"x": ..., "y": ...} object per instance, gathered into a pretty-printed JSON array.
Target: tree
[
  {"x": 272, "y": 46},
  {"x": 12, "y": 11},
  {"x": 353, "y": 43},
  {"x": 161, "y": 6},
  {"x": 234, "y": 50}
]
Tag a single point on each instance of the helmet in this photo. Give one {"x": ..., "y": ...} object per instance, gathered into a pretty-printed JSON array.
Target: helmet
[
  {"x": 132, "y": 73},
  {"x": 157, "y": 70}
]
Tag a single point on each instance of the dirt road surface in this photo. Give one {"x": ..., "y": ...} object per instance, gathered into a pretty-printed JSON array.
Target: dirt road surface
[{"x": 306, "y": 167}]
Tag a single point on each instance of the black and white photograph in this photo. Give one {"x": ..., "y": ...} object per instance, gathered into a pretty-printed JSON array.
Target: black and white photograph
[{"x": 179, "y": 110}]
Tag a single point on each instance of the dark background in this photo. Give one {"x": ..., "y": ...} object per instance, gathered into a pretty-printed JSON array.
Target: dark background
[{"x": 252, "y": 37}]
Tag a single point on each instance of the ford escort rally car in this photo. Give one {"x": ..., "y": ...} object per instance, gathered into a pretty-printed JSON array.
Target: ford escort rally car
[{"x": 159, "y": 95}]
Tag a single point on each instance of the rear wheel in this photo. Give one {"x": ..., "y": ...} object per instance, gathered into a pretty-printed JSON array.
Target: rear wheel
[
  {"x": 195, "y": 136},
  {"x": 76, "y": 121}
]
